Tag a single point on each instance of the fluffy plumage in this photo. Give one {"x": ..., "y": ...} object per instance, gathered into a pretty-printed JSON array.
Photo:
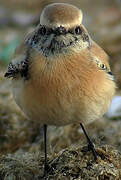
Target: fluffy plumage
[{"x": 66, "y": 78}]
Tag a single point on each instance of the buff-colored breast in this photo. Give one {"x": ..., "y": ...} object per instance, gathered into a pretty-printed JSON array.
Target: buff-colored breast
[{"x": 65, "y": 90}]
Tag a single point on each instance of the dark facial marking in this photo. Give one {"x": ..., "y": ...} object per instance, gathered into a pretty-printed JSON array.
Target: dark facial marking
[
  {"x": 40, "y": 39},
  {"x": 85, "y": 37},
  {"x": 42, "y": 30},
  {"x": 60, "y": 30},
  {"x": 35, "y": 38}
]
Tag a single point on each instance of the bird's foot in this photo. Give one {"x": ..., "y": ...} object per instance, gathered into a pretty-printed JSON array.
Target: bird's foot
[
  {"x": 92, "y": 148},
  {"x": 46, "y": 171}
]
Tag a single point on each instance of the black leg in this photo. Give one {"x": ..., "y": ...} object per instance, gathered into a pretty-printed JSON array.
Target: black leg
[
  {"x": 46, "y": 167},
  {"x": 45, "y": 149},
  {"x": 90, "y": 144}
]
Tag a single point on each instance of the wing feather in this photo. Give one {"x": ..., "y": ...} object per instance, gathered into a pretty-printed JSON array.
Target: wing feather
[{"x": 19, "y": 65}]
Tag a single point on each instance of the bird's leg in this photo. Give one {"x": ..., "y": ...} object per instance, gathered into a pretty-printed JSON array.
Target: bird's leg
[
  {"x": 90, "y": 144},
  {"x": 46, "y": 167}
]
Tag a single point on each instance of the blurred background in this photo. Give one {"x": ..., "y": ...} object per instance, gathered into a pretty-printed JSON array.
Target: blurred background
[{"x": 17, "y": 18}]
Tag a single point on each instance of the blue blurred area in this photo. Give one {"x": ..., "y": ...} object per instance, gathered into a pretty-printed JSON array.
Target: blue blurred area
[{"x": 7, "y": 50}]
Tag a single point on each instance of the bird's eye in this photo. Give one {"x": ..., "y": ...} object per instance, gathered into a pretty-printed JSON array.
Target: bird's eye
[{"x": 78, "y": 30}]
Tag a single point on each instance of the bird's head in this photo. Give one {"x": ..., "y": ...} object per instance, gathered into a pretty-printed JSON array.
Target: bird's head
[
  {"x": 60, "y": 28},
  {"x": 61, "y": 15}
]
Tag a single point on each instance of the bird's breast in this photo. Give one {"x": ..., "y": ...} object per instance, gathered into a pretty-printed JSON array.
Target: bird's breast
[{"x": 65, "y": 90}]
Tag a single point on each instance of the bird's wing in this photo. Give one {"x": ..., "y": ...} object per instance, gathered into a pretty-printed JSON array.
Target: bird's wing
[
  {"x": 19, "y": 64},
  {"x": 101, "y": 59}
]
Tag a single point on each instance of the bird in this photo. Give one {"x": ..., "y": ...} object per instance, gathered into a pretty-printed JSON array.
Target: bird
[{"x": 59, "y": 75}]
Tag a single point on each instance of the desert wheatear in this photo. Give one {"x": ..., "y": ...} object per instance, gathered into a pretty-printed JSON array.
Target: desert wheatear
[{"x": 59, "y": 74}]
